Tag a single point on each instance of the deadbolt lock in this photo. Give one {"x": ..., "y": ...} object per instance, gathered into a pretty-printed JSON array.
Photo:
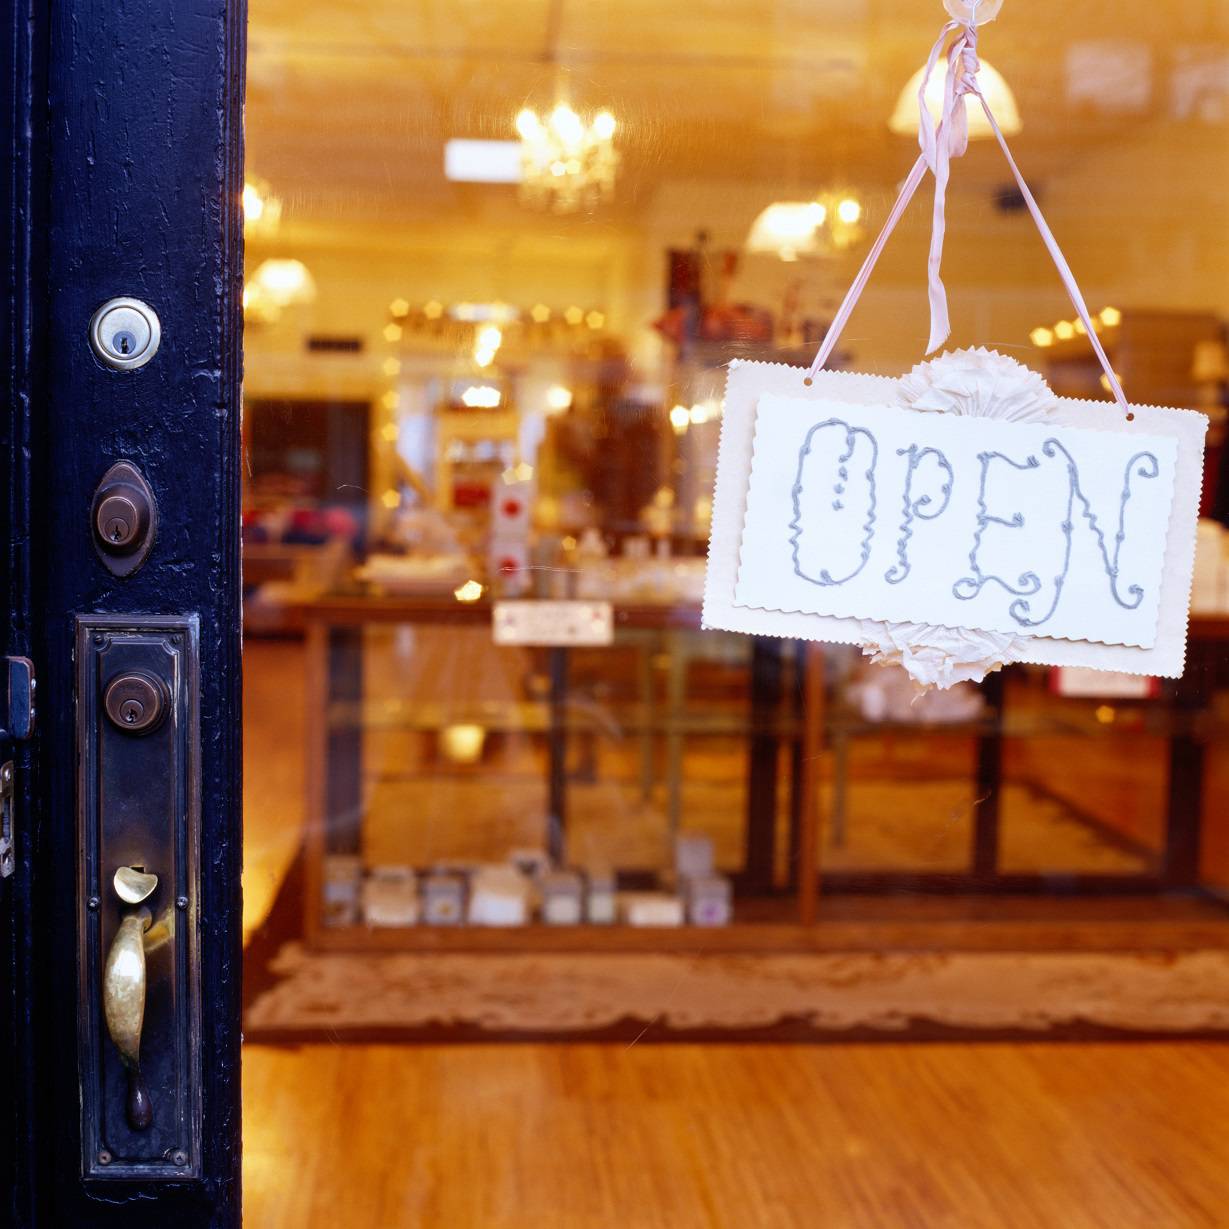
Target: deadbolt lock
[
  {"x": 124, "y": 518},
  {"x": 118, "y": 520},
  {"x": 125, "y": 333},
  {"x": 136, "y": 701}
]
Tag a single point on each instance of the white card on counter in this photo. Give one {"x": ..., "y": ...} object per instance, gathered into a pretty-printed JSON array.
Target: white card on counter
[
  {"x": 878, "y": 512},
  {"x": 552, "y": 624}
]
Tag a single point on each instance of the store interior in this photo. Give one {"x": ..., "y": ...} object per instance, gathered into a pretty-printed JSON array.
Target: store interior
[{"x": 498, "y": 259}]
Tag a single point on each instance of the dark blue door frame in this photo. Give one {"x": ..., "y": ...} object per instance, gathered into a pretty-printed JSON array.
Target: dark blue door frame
[
  {"x": 123, "y": 170},
  {"x": 22, "y": 71}
]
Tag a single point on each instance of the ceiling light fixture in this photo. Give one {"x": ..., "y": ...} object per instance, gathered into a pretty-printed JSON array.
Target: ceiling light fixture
[
  {"x": 558, "y": 399},
  {"x": 791, "y": 229},
  {"x": 275, "y": 285},
  {"x": 1065, "y": 330},
  {"x": 993, "y": 86},
  {"x": 262, "y": 211},
  {"x": 481, "y": 397},
  {"x": 567, "y": 163},
  {"x": 487, "y": 341},
  {"x": 787, "y": 228},
  {"x": 482, "y": 161},
  {"x": 286, "y": 282}
]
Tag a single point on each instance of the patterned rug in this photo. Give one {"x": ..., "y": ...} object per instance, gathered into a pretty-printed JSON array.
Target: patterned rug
[{"x": 297, "y": 995}]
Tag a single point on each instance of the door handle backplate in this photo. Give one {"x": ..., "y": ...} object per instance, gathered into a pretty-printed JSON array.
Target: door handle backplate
[{"x": 138, "y": 827}]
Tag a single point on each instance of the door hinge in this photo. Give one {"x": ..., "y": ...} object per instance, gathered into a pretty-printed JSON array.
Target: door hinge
[
  {"x": 19, "y": 688},
  {"x": 7, "y": 857},
  {"x": 18, "y": 717}
]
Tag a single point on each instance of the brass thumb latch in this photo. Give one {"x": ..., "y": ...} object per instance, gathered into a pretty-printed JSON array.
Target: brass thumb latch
[{"x": 123, "y": 985}]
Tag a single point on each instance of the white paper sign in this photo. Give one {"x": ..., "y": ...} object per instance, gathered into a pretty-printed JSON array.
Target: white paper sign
[
  {"x": 750, "y": 557},
  {"x": 877, "y": 512}
]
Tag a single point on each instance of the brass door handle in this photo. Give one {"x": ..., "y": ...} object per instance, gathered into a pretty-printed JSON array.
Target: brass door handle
[{"x": 123, "y": 988}]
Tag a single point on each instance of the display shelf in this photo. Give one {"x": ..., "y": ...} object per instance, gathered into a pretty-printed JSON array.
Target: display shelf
[
  {"x": 335, "y": 648},
  {"x": 759, "y": 923},
  {"x": 361, "y": 606},
  {"x": 1122, "y": 922},
  {"x": 1157, "y": 721},
  {"x": 774, "y": 717},
  {"x": 534, "y": 717}
]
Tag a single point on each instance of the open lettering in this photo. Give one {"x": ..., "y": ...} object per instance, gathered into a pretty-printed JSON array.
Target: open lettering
[{"x": 1022, "y": 527}]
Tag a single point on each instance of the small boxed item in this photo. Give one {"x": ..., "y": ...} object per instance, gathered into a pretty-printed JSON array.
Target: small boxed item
[
  {"x": 499, "y": 896},
  {"x": 693, "y": 855},
  {"x": 710, "y": 901},
  {"x": 601, "y": 905},
  {"x": 652, "y": 909},
  {"x": 562, "y": 897},
  {"x": 390, "y": 896},
  {"x": 415, "y": 575},
  {"x": 443, "y": 899},
  {"x": 343, "y": 877},
  {"x": 530, "y": 861},
  {"x": 464, "y": 867}
]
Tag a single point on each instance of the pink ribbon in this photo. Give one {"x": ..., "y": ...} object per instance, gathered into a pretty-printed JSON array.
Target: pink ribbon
[{"x": 940, "y": 143}]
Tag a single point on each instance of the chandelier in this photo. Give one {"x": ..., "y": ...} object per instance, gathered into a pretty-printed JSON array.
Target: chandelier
[{"x": 567, "y": 164}]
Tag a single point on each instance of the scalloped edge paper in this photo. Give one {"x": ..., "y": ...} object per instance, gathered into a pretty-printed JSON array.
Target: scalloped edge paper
[{"x": 748, "y": 381}]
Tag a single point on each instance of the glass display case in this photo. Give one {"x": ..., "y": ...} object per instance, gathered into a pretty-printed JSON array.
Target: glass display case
[{"x": 668, "y": 788}]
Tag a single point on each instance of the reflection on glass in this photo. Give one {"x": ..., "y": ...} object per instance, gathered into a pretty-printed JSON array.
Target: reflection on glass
[{"x": 499, "y": 256}]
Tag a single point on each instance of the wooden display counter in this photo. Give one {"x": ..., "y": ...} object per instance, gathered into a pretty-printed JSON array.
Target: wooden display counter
[{"x": 771, "y": 913}]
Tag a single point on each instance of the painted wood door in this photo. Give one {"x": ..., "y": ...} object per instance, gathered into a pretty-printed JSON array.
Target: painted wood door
[{"x": 123, "y": 179}]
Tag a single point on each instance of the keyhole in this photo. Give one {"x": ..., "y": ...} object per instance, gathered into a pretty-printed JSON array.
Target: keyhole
[
  {"x": 132, "y": 711},
  {"x": 124, "y": 342}
]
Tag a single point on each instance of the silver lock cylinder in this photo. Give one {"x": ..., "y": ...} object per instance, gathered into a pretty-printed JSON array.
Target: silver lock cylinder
[{"x": 125, "y": 333}]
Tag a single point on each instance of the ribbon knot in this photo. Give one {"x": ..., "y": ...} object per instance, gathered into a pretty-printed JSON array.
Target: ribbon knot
[
  {"x": 966, "y": 82},
  {"x": 940, "y": 142}
]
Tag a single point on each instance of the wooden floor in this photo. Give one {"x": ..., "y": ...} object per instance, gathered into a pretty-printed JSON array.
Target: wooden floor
[
  {"x": 1116, "y": 1136},
  {"x": 1048, "y": 1136}
]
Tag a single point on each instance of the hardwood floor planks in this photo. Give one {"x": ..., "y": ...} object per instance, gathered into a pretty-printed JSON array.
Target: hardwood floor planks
[{"x": 1106, "y": 1136}]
